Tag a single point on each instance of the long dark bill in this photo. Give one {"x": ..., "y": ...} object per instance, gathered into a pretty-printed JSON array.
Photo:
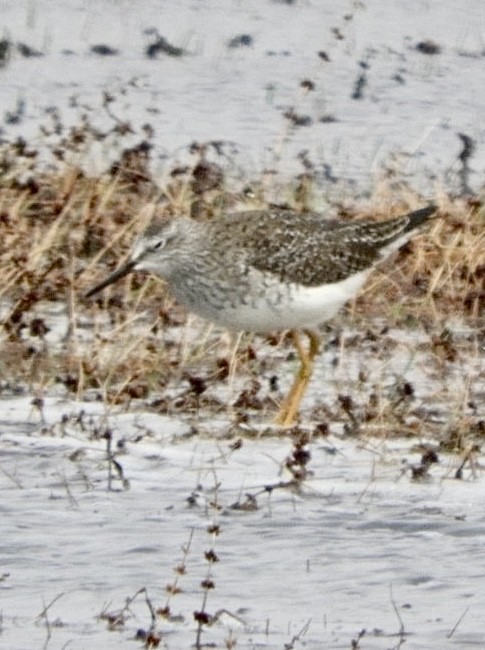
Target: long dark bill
[{"x": 128, "y": 267}]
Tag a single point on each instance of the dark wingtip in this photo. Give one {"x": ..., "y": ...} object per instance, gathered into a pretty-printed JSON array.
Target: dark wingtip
[{"x": 418, "y": 217}]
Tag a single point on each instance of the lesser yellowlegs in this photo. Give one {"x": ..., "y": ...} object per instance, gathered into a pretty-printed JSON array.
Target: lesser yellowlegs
[{"x": 268, "y": 270}]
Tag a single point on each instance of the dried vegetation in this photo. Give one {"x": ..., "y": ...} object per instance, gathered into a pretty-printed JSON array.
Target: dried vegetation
[{"x": 62, "y": 231}]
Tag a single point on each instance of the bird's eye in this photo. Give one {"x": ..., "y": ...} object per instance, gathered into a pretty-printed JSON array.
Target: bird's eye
[{"x": 157, "y": 245}]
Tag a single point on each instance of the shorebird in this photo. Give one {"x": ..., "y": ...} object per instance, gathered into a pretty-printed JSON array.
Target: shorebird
[{"x": 263, "y": 271}]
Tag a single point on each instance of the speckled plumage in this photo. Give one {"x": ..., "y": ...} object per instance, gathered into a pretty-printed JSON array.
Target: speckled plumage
[
  {"x": 308, "y": 250},
  {"x": 264, "y": 271},
  {"x": 267, "y": 270}
]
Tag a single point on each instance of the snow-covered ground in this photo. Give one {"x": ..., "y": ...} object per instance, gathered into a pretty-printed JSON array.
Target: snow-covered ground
[
  {"x": 359, "y": 547},
  {"x": 412, "y": 104}
]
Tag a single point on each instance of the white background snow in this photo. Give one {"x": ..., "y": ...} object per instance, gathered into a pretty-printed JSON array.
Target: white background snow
[
  {"x": 361, "y": 546},
  {"x": 413, "y": 105}
]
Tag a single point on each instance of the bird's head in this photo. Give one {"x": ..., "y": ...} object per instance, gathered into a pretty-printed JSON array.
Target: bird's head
[{"x": 157, "y": 250}]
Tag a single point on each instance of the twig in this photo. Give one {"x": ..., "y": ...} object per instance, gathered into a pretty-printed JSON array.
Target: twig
[
  {"x": 455, "y": 627},
  {"x": 297, "y": 637},
  {"x": 43, "y": 614},
  {"x": 9, "y": 475},
  {"x": 180, "y": 570},
  {"x": 202, "y": 617},
  {"x": 402, "y": 631}
]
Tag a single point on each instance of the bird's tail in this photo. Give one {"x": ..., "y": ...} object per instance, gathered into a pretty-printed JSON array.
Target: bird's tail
[
  {"x": 394, "y": 233},
  {"x": 418, "y": 217}
]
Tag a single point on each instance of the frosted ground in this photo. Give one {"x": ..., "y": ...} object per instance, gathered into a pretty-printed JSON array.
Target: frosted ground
[
  {"x": 359, "y": 545},
  {"x": 411, "y": 109}
]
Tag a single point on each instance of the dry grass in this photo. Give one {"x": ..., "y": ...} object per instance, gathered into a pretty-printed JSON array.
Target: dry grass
[
  {"x": 62, "y": 231},
  {"x": 440, "y": 274}
]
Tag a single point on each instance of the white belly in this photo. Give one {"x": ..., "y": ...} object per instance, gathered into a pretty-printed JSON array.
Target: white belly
[{"x": 302, "y": 307}]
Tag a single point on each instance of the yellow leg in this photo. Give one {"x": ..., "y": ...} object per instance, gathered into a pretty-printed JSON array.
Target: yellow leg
[{"x": 289, "y": 407}]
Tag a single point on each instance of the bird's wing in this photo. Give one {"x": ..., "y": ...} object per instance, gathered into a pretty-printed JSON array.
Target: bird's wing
[{"x": 305, "y": 249}]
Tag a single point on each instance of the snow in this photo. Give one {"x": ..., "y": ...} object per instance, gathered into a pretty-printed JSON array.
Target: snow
[
  {"x": 412, "y": 109},
  {"x": 359, "y": 545}
]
